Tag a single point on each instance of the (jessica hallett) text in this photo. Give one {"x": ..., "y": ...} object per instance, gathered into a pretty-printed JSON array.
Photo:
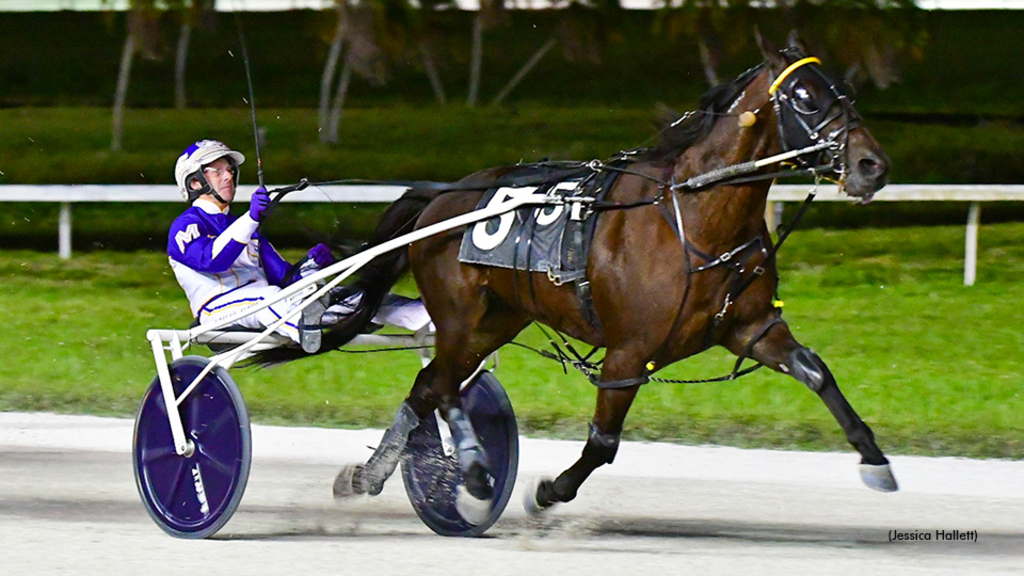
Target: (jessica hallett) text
[{"x": 937, "y": 535}]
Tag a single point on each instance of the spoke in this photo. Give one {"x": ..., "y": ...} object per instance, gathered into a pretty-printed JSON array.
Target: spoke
[
  {"x": 225, "y": 469},
  {"x": 199, "y": 428},
  {"x": 159, "y": 404},
  {"x": 153, "y": 455},
  {"x": 440, "y": 481},
  {"x": 225, "y": 417},
  {"x": 194, "y": 418},
  {"x": 173, "y": 493},
  {"x": 440, "y": 478},
  {"x": 194, "y": 404}
]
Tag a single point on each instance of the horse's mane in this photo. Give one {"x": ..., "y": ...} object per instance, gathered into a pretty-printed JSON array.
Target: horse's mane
[{"x": 673, "y": 140}]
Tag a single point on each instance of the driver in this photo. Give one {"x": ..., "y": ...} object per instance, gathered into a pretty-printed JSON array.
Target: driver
[{"x": 225, "y": 264}]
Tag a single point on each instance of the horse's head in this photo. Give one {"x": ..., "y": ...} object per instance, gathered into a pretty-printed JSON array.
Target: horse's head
[{"x": 814, "y": 110}]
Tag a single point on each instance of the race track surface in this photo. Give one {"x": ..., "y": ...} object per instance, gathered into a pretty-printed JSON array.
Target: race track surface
[{"x": 68, "y": 504}]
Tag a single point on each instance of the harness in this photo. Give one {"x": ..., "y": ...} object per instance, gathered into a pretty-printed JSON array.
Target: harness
[
  {"x": 577, "y": 238},
  {"x": 806, "y": 151},
  {"x": 553, "y": 243},
  {"x": 736, "y": 260}
]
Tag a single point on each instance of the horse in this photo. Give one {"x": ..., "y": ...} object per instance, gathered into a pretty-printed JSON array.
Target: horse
[{"x": 673, "y": 271}]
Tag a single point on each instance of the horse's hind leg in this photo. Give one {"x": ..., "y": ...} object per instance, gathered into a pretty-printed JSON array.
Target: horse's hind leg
[
  {"x": 369, "y": 478},
  {"x": 603, "y": 441},
  {"x": 778, "y": 350},
  {"x": 458, "y": 353}
]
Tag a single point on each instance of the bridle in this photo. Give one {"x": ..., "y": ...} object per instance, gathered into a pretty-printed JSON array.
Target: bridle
[{"x": 802, "y": 121}]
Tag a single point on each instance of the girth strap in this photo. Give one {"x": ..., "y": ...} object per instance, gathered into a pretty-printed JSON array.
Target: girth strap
[
  {"x": 750, "y": 345},
  {"x": 581, "y": 237},
  {"x": 617, "y": 384}
]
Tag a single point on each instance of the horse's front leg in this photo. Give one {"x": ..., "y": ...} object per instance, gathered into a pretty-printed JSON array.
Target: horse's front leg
[
  {"x": 603, "y": 441},
  {"x": 779, "y": 350}
]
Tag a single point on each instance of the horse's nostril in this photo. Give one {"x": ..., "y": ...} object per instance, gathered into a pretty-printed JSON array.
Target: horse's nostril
[{"x": 870, "y": 167}]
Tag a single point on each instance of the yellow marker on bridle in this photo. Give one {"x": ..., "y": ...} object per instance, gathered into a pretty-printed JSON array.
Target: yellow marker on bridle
[{"x": 789, "y": 70}]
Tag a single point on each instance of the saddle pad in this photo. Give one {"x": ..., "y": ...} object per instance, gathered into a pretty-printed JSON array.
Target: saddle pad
[{"x": 529, "y": 239}]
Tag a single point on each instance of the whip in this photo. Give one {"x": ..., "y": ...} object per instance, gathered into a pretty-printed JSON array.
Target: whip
[
  {"x": 252, "y": 99},
  {"x": 281, "y": 192}
]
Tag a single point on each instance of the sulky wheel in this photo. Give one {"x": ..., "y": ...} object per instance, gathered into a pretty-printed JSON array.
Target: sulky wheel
[
  {"x": 193, "y": 495},
  {"x": 431, "y": 476}
]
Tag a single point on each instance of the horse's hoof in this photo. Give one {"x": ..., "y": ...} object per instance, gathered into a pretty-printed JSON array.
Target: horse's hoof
[
  {"x": 478, "y": 482},
  {"x": 345, "y": 483},
  {"x": 878, "y": 477},
  {"x": 530, "y": 503},
  {"x": 472, "y": 510}
]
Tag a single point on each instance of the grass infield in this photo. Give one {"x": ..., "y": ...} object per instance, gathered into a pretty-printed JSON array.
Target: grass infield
[{"x": 932, "y": 366}]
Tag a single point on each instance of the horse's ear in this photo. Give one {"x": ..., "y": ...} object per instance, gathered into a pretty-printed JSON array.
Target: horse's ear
[
  {"x": 794, "y": 41},
  {"x": 770, "y": 52}
]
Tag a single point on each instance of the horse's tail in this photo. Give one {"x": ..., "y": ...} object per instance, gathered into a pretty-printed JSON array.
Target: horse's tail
[{"x": 374, "y": 280}]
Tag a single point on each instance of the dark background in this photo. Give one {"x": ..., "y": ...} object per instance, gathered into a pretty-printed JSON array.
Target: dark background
[
  {"x": 967, "y": 68},
  {"x": 955, "y": 116}
]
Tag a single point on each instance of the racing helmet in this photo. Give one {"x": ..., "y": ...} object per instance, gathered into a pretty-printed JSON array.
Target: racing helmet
[{"x": 189, "y": 166}]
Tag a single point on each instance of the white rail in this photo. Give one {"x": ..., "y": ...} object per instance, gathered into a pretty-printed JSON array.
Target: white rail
[
  {"x": 975, "y": 194},
  {"x": 67, "y": 195}
]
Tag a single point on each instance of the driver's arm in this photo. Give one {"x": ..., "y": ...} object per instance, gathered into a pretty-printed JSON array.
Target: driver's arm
[
  {"x": 208, "y": 254},
  {"x": 278, "y": 270}
]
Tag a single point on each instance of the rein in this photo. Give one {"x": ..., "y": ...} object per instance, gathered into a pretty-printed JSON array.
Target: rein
[
  {"x": 834, "y": 143},
  {"x": 564, "y": 171},
  {"x": 745, "y": 173},
  {"x": 592, "y": 369},
  {"x": 729, "y": 175}
]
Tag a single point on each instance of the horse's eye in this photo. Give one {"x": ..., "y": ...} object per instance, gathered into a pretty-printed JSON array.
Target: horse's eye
[{"x": 803, "y": 102}]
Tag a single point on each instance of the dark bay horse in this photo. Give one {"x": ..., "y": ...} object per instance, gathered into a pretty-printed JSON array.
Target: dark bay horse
[{"x": 669, "y": 278}]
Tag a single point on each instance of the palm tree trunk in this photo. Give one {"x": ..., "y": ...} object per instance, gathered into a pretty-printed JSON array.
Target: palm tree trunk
[
  {"x": 339, "y": 102},
  {"x": 476, "y": 60},
  {"x": 121, "y": 94},
  {"x": 327, "y": 79},
  {"x": 432, "y": 75},
  {"x": 524, "y": 70},
  {"x": 180, "y": 60}
]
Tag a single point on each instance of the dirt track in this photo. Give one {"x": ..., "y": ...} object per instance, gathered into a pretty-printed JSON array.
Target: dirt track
[{"x": 68, "y": 503}]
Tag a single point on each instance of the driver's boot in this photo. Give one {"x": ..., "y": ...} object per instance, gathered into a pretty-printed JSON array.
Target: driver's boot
[{"x": 310, "y": 328}]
